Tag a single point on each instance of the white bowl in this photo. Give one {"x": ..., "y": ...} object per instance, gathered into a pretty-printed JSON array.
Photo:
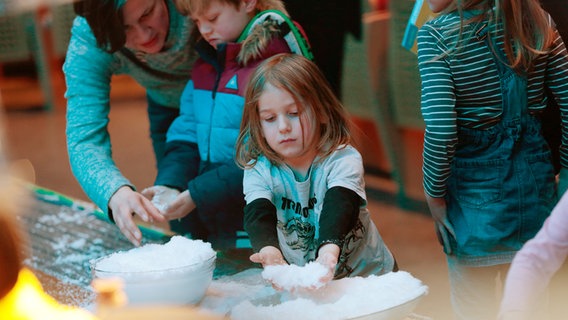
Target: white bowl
[
  {"x": 175, "y": 286},
  {"x": 175, "y": 273}
]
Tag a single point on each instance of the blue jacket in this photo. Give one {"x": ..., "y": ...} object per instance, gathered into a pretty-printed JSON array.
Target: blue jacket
[{"x": 200, "y": 145}]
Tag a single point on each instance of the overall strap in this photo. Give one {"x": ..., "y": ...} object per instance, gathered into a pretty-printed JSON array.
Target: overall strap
[{"x": 513, "y": 86}]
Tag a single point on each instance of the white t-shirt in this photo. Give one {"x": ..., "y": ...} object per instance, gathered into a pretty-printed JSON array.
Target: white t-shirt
[{"x": 299, "y": 206}]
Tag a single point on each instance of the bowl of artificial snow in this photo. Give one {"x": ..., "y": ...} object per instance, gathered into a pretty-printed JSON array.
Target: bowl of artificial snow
[
  {"x": 176, "y": 273},
  {"x": 392, "y": 296}
]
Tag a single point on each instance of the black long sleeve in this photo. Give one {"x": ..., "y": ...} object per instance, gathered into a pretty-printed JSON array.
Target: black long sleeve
[
  {"x": 260, "y": 223},
  {"x": 339, "y": 213}
]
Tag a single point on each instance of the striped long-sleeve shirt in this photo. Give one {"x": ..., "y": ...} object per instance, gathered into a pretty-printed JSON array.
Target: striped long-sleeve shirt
[{"x": 462, "y": 88}]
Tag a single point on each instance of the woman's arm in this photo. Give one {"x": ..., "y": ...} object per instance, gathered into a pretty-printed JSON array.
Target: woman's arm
[{"x": 88, "y": 71}]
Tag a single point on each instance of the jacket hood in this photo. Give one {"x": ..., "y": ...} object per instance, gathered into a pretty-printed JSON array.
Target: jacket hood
[{"x": 266, "y": 25}]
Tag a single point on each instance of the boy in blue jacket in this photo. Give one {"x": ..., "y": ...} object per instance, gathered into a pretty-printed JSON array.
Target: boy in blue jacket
[{"x": 199, "y": 186}]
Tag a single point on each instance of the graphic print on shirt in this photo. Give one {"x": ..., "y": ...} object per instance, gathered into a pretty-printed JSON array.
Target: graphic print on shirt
[
  {"x": 300, "y": 229},
  {"x": 352, "y": 242}
]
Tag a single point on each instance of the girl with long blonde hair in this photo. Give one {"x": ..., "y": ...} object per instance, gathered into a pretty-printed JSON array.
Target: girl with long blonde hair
[{"x": 303, "y": 181}]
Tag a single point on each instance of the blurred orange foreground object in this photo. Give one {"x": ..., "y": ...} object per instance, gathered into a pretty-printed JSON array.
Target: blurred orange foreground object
[
  {"x": 161, "y": 312},
  {"x": 112, "y": 304},
  {"x": 28, "y": 301}
]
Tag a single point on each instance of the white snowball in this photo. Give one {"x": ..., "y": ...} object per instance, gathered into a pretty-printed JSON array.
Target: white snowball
[
  {"x": 161, "y": 200},
  {"x": 292, "y": 276}
]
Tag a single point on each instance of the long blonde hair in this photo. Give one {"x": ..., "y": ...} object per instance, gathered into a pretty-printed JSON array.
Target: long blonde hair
[
  {"x": 527, "y": 27},
  {"x": 303, "y": 80}
]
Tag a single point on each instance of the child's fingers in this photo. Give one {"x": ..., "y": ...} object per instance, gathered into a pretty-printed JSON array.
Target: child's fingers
[
  {"x": 327, "y": 278},
  {"x": 149, "y": 193},
  {"x": 256, "y": 258},
  {"x": 266, "y": 260},
  {"x": 175, "y": 209},
  {"x": 276, "y": 287},
  {"x": 152, "y": 212}
]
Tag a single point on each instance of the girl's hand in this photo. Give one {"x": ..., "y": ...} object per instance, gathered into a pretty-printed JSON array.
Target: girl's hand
[
  {"x": 268, "y": 256},
  {"x": 124, "y": 205},
  {"x": 328, "y": 255},
  {"x": 439, "y": 212},
  {"x": 443, "y": 227},
  {"x": 181, "y": 206}
]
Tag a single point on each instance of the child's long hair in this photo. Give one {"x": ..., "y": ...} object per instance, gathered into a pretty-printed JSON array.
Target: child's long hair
[
  {"x": 528, "y": 28},
  {"x": 302, "y": 79},
  {"x": 187, "y": 7}
]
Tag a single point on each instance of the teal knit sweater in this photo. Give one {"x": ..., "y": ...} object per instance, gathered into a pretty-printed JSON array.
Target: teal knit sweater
[{"x": 88, "y": 70}]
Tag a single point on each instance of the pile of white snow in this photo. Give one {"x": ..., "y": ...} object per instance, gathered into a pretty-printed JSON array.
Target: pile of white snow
[
  {"x": 178, "y": 252},
  {"x": 290, "y": 277},
  {"x": 394, "y": 293}
]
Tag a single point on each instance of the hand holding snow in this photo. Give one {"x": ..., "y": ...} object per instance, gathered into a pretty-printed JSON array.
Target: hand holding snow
[{"x": 290, "y": 277}]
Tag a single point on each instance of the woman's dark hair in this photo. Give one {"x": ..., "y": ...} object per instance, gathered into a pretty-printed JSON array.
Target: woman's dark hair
[{"x": 105, "y": 19}]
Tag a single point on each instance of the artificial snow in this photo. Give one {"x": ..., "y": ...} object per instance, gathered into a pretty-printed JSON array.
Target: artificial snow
[
  {"x": 178, "y": 252},
  {"x": 247, "y": 295},
  {"x": 290, "y": 277},
  {"x": 161, "y": 200}
]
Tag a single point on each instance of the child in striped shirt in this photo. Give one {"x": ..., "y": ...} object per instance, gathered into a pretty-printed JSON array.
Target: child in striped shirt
[{"x": 488, "y": 174}]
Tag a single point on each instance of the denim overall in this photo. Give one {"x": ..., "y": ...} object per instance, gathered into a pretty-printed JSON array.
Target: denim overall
[{"x": 502, "y": 186}]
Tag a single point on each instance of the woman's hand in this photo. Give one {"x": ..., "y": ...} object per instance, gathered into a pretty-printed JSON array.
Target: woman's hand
[
  {"x": 124, "y": 205},
  {"x": 268, "y": 256},
  {"x": 328, "y": 255},
  {"x": 181, "y": 206}
]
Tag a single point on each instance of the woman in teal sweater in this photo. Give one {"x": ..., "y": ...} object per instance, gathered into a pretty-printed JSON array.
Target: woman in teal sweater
[{"x": 148, "y": 40}]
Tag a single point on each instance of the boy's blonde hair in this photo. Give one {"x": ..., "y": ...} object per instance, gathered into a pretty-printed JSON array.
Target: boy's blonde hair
[
  {"x": 188, "y": 7},
  {"x": 304, "y": 81}
]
